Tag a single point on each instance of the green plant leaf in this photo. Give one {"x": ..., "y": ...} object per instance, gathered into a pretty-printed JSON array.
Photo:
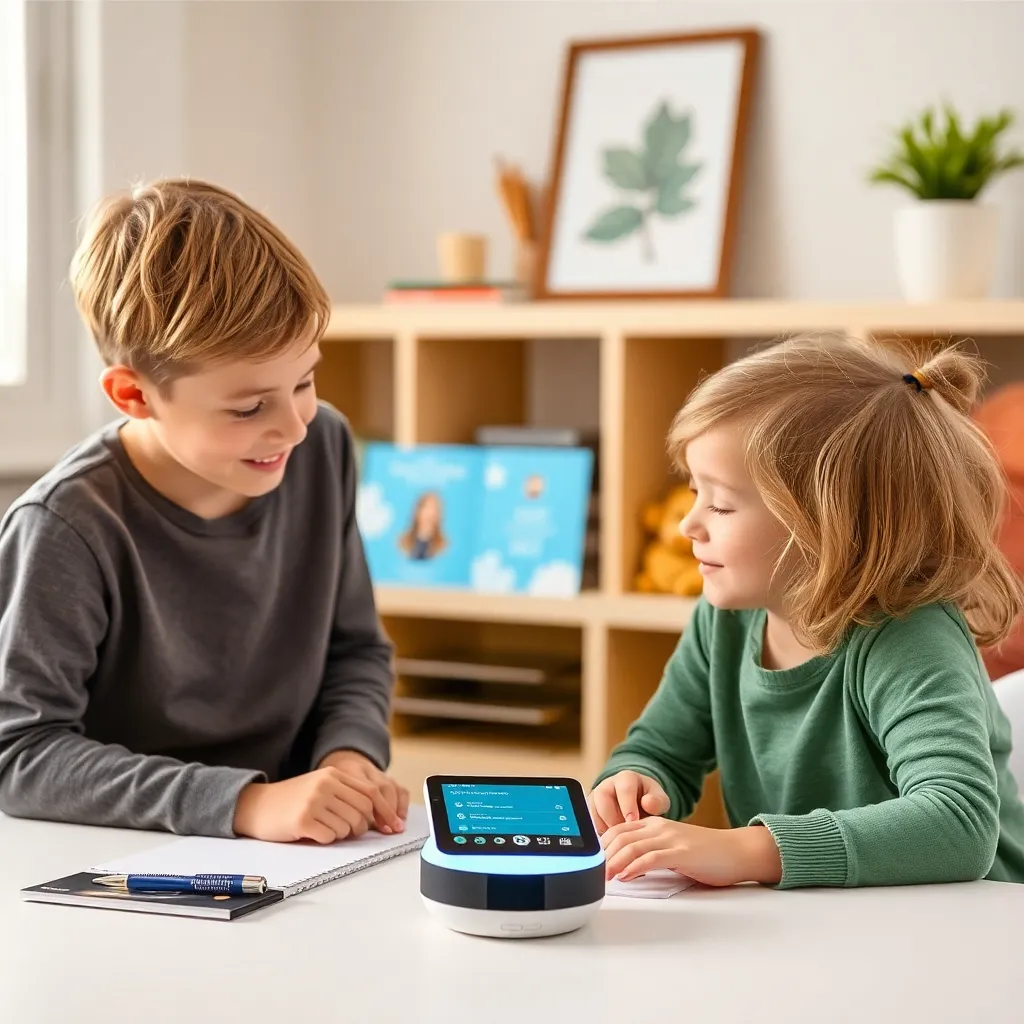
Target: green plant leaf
[
  {"x": 618, "y": 222},
  {"x": 892, "y": 177},
  {"x": 680, "y": 176},
  {"x": 626, "y": 169},
  {"x": 671, "y": 201},
  {"x": 936, "y": 159},
  {"x": 664, "y": 139},
  {"x": 671, "y": 204},
  {"x": 1010, "y": 161}
]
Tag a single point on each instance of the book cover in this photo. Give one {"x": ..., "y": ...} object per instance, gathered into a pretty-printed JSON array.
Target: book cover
[
  {"x": 417, "y": 510},
  {"x": 81, "y": 890},
  {"x": 533, "y": 521},
  {"x": 506, "y": 520}
]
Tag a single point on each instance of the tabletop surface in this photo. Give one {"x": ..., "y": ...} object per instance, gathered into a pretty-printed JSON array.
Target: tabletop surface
[{"x": 363, "y": 950}]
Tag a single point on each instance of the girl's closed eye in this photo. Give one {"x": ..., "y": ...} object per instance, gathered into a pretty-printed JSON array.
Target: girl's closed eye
[{"x": 720, "y": 511}]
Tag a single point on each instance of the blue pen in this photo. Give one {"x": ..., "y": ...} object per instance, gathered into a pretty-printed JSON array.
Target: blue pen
[{"x": 207, "y": 885}]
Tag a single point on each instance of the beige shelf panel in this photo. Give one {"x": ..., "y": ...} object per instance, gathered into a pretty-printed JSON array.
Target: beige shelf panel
[
  {"x": 653, "y": 612},
  {"x": 723, "y": 318}
]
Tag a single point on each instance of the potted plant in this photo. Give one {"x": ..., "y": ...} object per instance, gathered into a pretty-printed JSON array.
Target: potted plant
[{"x": 946, "y": 239}]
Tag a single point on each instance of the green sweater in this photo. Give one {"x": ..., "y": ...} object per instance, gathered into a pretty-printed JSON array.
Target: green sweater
[{"x": 882, "y": 763}]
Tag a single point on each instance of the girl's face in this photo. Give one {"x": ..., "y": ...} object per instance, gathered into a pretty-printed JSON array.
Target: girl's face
[
  {"x": 735, "y": 538},
  {"x": 428, "y": 514}
]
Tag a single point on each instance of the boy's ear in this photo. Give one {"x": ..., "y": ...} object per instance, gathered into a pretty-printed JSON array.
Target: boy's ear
[{"x": 127, "y": 391}]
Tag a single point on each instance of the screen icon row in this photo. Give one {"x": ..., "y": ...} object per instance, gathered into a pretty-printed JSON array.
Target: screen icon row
[{"x": 518, "y": 840}]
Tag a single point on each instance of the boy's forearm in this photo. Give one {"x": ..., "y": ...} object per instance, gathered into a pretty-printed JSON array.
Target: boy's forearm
[{"x": 66, "y": 777}]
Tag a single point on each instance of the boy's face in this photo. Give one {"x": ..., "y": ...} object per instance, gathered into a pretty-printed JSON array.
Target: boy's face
[
  {"x": 735, "y": 538},
  {"x": 233, "y": 426}
]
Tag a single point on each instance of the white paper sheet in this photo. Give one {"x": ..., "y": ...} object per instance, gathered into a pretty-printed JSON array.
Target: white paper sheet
[{"x": 656, "y": 885}]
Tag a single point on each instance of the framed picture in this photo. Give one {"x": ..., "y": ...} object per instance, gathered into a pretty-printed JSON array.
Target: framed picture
[{"x": 645, "y": 184}]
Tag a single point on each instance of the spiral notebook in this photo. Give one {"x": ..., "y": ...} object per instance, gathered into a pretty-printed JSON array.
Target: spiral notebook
[{"x": 288, "y": 867}]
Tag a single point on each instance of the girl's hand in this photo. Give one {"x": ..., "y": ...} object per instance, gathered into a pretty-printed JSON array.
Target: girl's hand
[
  {"x": 626, "y": 796},
  {"x": 712, "y": 856}
]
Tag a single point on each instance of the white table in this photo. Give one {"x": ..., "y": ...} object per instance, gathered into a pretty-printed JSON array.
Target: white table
[{"x": 361, "y": 950}]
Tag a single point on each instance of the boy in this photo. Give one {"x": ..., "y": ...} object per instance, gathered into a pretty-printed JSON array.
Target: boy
[{"x": 188, "y": 636}]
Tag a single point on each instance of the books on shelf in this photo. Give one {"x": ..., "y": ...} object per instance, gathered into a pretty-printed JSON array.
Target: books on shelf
[
  {"x": 505, "y": 520},
  {"x": 560, "y": 437},
  {"x": 440, "y": 292}
]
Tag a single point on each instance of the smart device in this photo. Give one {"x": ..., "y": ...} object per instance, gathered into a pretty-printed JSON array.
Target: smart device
[{"x": 510, "y": 856}]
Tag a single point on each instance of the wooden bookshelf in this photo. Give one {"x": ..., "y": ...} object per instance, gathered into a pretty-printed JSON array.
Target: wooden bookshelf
[{"x": 433, "y": 373}]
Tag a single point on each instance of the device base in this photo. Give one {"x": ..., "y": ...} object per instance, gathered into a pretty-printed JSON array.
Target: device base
[{"x": 511, "y": 924}]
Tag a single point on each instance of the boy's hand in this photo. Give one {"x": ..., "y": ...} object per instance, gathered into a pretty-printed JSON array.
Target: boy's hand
[
  {"x": 626, "y": 796},
  {"x": 710, "y": 855},
  {"x": 390, "y": 800},
  {"x": 325, "y": 805}
]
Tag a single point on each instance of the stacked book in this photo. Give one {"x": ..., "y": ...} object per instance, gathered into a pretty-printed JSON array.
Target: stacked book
[
  {"x": 444, "y": 291},
  {"x": 560, "y": 437}
]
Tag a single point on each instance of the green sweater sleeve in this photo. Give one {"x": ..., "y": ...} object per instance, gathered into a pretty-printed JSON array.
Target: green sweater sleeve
[
  {"x": 672, "y": 740},
  {"x": 925, "y": 706}
]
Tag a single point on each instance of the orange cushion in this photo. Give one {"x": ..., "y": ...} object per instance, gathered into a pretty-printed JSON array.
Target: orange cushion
[{"x": 1001, "y": 416}]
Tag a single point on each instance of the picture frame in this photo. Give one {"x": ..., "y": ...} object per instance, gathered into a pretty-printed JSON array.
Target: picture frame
[{"x": 647, "y": 167}]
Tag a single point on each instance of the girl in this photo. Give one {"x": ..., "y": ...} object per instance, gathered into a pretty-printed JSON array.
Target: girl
[
  {"x": 424, "y": 539},
  {"x": 844, "y": 522}
]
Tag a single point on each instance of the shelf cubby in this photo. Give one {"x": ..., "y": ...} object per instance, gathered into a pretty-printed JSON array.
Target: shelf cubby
[{"x": 358, "y": 377}]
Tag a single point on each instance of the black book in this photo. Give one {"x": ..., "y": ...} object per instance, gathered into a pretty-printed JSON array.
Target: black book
[{"x": 81, "y": 890}]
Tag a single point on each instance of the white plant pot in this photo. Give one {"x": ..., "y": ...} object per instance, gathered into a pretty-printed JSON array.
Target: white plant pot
[{"x": 946, "y": 249}]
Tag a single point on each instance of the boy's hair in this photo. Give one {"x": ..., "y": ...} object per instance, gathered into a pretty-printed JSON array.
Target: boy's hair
[
  {"x": 182, "y": 273},
  {"x": 891, "y": 494}
]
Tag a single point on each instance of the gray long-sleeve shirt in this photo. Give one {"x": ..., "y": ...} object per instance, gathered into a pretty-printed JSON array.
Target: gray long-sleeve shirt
[{"x": 153, "y": 663}]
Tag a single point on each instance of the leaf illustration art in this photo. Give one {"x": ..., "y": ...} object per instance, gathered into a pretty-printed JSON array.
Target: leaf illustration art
[{"x": 655, "y": 179}]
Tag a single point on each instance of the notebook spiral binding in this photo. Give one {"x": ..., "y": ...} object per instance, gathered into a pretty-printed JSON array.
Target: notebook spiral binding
[{"x": 314, "y": 881}]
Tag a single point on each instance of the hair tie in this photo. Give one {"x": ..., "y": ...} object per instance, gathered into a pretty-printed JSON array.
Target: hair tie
[{"x": 919, "y": 379}]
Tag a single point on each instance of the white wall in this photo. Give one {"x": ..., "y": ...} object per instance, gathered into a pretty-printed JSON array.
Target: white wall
[
  {"x": 417, "y": 97},
  {"x": 215, "y": 89},
  {"x": 252, "y": 107},
  {"x": 366, "y": 127}
]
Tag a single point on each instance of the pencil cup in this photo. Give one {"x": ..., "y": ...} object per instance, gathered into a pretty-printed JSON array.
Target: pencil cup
[
  {"x": 462, "y": 258},
  {"x": 525, "y": 264}
]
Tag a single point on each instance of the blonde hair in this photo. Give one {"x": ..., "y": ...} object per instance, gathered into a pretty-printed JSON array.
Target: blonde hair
[
  {"x": 180, "y": 273},
  {"x": 891, "y": 494}
]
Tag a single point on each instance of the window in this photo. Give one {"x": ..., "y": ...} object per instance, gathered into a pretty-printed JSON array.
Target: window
[
  {"x": 41, "y": 345},
  {"x": 13, "y": 195}
]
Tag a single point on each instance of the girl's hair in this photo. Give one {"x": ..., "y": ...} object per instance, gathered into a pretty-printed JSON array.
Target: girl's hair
[{"x": 891, "y": 494}]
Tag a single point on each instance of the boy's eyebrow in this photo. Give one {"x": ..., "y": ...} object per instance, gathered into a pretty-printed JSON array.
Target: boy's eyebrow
[{"x": 257, "y": 392}]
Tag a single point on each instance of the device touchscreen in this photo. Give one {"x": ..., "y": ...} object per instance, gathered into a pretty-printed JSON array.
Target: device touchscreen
[{"x": 511, "y": 815}]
